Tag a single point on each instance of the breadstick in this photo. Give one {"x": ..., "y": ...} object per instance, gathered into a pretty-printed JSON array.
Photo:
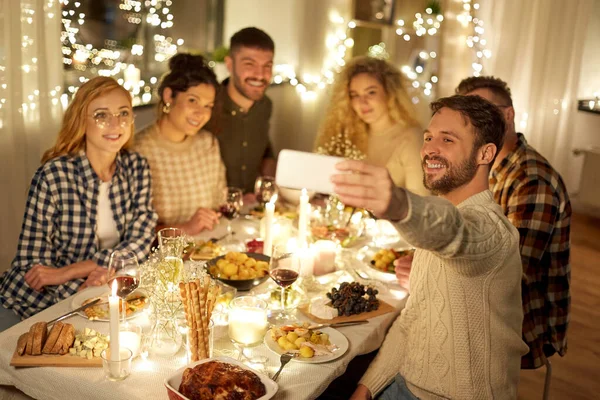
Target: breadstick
[
  {"x": 184, "y": 289},
  {"x": 199, "y": 304},
  {"x": 205, "y": 317}
]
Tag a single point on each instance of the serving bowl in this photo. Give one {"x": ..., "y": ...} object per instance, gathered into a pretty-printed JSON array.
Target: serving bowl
[
  {"x": 172, "y": 383},
  {"x": 239, "y": 284},
  {"x": 292, "y": 196}
]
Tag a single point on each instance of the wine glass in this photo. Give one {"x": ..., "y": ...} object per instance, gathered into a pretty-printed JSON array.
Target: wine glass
[
  {"x": 230, "y": 209},
  {"x": 284, "y": 269},
  {"x": 264, "y": 189},
  {"x": 124, "y": 271},
  {"x": 248, "y": 322}
]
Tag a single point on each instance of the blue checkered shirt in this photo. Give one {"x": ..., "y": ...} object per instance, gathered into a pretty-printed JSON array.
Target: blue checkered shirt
[{"x": 59, "y": 226}]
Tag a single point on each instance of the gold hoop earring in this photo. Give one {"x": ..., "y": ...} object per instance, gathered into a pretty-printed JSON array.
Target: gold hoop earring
[{"x": 167, "y": 108}]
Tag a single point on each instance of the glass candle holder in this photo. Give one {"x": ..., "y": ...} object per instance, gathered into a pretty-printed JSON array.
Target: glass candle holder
[
  {"x": 119, "y": 369},
  {"x": 247, "y": 322}
]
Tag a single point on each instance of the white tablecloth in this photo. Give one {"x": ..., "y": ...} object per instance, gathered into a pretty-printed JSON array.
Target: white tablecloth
[{"x": 297, "y": 381}]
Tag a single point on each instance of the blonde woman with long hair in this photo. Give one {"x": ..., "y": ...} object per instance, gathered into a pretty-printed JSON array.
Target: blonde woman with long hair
[
  {"x": 89, "y": 197},
  {"x": 371, "y": 117}
]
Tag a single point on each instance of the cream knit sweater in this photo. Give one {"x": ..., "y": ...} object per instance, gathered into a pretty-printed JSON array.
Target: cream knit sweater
[{"x": 459, "y": 335}]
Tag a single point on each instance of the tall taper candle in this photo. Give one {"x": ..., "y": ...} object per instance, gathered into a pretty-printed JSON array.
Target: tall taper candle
[
  {"x": 269, "y": 218},
  {"x": 113, "y": 304},
  {"x": 303, "y": 216}
]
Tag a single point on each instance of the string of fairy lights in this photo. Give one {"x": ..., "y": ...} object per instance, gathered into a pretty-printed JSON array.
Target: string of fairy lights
[
  {"x": 114, "y": 58},
  {"x": 120, "y": 60}
]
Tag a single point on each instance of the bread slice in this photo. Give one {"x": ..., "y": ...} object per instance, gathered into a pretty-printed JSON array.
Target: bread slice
[
  {"x": 40, "y": 333},
  {"x": 52, "y": 337},
  {"x": 29, "y": 346},
  {"x": 22, "y": 343},
  {"x": 65, "y": 340}
]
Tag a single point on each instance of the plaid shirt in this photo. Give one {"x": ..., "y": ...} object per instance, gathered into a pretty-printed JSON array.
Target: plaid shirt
[
  {"x": 59, "y": 226},
  {"x": 534, "y": 198}
]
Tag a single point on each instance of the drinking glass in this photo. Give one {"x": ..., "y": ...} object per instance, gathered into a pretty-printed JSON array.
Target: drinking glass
[
  {"x": 284, "y": 269},
  {"x": 264, "y": 189},
  {"x": 124, "y": 272},
  {"x": 248, "y": 322},
  {"x": 230, "y": 209},
  {"x": 171, "y": 242}
]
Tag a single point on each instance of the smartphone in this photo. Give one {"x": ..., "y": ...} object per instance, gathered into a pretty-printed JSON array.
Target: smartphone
[{"x": 303, "y": 170}]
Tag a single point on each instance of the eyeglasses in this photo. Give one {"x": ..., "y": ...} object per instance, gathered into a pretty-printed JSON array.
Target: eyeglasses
[{"x": 103, "y": 119}]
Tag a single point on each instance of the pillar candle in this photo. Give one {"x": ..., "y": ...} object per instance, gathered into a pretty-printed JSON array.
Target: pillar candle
[
  {"x": 113, "y": 304},
  {"x": 269, "y": 217},
  {"x": 324, "y": 253}
]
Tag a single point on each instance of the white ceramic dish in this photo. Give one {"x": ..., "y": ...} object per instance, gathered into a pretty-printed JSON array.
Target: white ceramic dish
[
  {"x": 366, "y": 254},
  {"x": 293, "y": 195},
  {"x": 172, "y": 383},
  {"x": 91, "y": 292},
  {"x": 335, "y": 337}
]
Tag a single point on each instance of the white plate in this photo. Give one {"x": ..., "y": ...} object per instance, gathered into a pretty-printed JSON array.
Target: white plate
[
  {"x": 89, "y": 293},
  {"x": 367, "y": 253},
  {"x": 172, "y": 383},
  {"x": 335, "y": 337}
]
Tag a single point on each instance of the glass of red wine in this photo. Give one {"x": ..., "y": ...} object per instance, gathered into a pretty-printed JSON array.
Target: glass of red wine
[
  {"x": 230, "y": 209},
  {"x": 264, "y": 189},
  {"x": 284, "y": 269},
  {"x": 123, "y": 268}
]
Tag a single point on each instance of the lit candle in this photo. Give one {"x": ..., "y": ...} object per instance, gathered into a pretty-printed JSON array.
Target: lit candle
[
  {"x": 324, "y": 253},
  {"x": 303, "y": 214},
  {"x": 269, "y": 217},
  {"x": 131, "y": 341},
  {"x": 113, "y": 304},
  {"x": 247, "y": 325},
  {"x": 307, "y": 262}
]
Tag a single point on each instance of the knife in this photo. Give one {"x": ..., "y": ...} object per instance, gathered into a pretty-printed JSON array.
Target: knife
[
  {"x": 75, "y": 311},
  {"x": 338, "y": 324}
]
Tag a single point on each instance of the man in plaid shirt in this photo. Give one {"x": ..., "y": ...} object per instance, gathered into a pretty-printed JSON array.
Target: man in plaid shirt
[{"x": 534, "y": 198}]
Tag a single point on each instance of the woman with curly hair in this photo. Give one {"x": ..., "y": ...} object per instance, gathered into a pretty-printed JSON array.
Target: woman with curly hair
[
  {"x": 371, "y": 117},
  {"x": 188, "y": 174},
  {"x": 90, "y": 197}
]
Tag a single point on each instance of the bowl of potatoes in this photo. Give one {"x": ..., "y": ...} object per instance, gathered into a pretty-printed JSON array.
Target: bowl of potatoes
[{"x": 243, "y": 271}]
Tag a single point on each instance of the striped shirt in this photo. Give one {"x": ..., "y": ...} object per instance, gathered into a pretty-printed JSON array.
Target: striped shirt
[
  {"x": 534, "y": 198},
  {"x": 60, "y": 224}
]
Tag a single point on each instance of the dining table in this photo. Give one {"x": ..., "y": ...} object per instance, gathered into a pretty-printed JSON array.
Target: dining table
[{"x": 298, "y": 380}]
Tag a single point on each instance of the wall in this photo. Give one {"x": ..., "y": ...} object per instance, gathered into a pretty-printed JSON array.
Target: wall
[{"x": 586, "y": 133}]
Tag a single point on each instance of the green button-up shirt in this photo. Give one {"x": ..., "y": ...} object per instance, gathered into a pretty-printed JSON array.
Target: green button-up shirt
[{"x": 243, "y": 138}]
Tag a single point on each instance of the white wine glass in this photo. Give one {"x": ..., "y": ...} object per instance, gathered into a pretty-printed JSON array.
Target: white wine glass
[{"x": 124, "y": 272}]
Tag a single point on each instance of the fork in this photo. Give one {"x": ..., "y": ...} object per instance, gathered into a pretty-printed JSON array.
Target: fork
[{"x": 285, "y": 358}]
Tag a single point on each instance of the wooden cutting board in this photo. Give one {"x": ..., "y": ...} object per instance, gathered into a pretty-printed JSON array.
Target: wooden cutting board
[
  {"x": 384, "y": 308},
  {"x": 47, "y": 360}
]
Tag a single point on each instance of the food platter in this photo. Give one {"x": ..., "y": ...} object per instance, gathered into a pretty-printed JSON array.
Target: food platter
[
  {"x": 367, "y": 255},
  {"x": 137, "y": 302},
  {"x": 335, "y": 337}
]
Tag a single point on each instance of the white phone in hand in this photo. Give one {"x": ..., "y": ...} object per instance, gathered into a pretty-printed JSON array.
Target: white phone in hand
[{"x": 302, "y": 170}]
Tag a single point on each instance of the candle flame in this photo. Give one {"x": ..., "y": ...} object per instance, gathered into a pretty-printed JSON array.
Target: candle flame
[
  {"x": 273, "y": 199},
  {"x": 114, "y": 288},
  {"x": 304, "y": 192}
]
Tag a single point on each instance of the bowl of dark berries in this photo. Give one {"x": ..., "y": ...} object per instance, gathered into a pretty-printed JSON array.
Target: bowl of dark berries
[{"x": 353, "y": 298}]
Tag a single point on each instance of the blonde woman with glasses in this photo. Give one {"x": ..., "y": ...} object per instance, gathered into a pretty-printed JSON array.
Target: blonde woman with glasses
[{"x": 89, "y": 197}]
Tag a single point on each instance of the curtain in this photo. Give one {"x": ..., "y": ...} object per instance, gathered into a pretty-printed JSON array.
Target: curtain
[
  {"x": 31, "y": 76},
  {"x": 537, "y": 48}
]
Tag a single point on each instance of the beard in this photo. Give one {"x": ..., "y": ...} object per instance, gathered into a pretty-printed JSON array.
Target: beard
[
  {"x": 237, "y": 82},
  {"x": 455, "y": 176}
]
